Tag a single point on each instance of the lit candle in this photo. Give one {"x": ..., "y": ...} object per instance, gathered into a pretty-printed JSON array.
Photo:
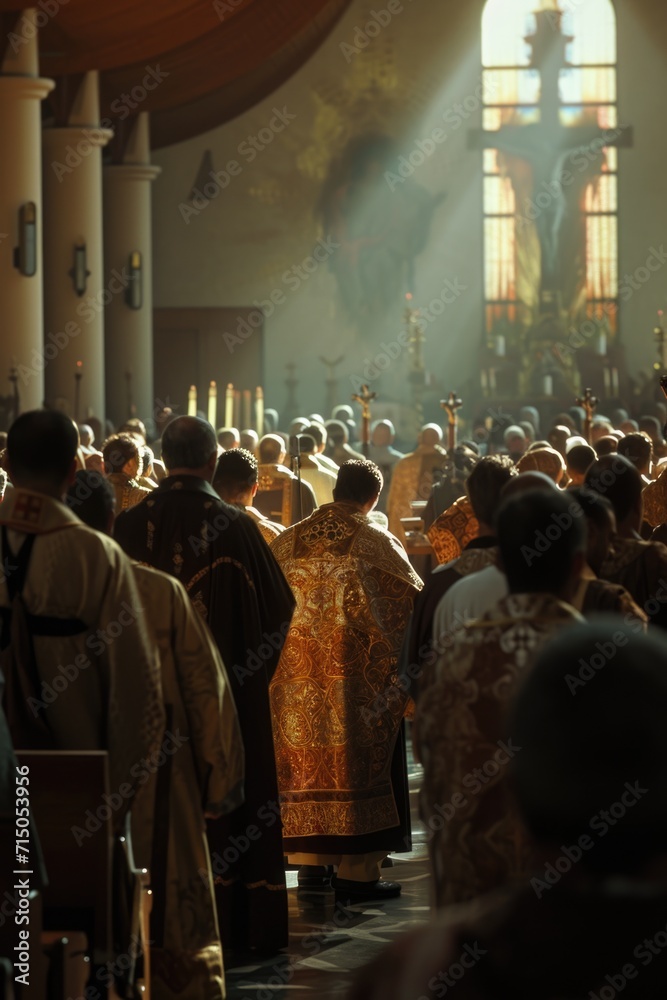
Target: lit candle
[
  {"x": 237, "y": 409},
  {"x": 212, "y": 404},
  {"x": 192, "y": 401},
  {"x": 607, "y": 382},
  {"x": 259, "y": 411},
  {"x": 229, "y": 405},
  {"x": 247, "y": 409},
  {"x": 500, "y": 346},
  {"x": 548, "y": 383}
]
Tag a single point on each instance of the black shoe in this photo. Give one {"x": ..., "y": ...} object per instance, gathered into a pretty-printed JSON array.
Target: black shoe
[
  {"x": 359, "y": 892},
  {"x": 315, "y": 877}
]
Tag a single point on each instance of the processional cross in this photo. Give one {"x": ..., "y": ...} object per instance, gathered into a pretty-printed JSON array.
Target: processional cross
[
  {"x": 365, "y": 398},
  {"x": 451, "y": 406},
  {"x": 588, "y": 403},
  {"x": 547, "y": 146}
]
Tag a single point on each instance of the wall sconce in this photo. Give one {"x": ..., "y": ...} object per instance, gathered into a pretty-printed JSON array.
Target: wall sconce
[
  {"x": 134, "y": 293},
  {"x": 79, "y": 272},
  {"x": 25, "y": 254}
]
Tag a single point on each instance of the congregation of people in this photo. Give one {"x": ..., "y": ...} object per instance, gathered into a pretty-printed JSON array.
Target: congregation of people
[{"x": 295, "y": 610}]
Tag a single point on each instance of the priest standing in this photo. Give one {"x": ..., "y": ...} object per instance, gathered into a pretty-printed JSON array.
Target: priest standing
[
  {"x": 234, "y": 582},
  {"x": 337, "y": 707}
]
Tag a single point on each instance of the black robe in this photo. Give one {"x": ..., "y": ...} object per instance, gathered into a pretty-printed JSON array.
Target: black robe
[{"x": 233, "y": 580}]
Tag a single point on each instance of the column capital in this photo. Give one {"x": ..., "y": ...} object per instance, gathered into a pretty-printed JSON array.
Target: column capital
[
  {"x": 18, "y": 87},
  {"x": 132, "y": 171},
  {"x": 94, "y": 134}
]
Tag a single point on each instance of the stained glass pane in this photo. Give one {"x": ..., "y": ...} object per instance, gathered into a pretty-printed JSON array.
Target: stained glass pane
[
  {"x": 500, "y": 259},
  {"x": 499, "y": 196},
  {"x": 602, "y": 194},
  {"x": 601, "y": 257},
  {"x": 588, "y": 92},
  {"x": 511, "y": 86},
  {"x": 505, "y": 23},
  {"x": 491, "y": 161},
  {"x": 587, "y": 86}
]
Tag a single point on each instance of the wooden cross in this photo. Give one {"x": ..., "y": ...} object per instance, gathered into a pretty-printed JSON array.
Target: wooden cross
[
  {"x": 589, "y": 403},
  {"x": 451, "y": 405},
  {"x": 365, "y": 398}
]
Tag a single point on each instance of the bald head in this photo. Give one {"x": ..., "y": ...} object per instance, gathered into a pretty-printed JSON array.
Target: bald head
[
  {"x": 430, "y": 435},
  {"x": 189, "y": 445}
]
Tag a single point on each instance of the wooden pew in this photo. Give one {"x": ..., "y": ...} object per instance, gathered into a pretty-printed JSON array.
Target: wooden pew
[{"x": 87, "y": 865}]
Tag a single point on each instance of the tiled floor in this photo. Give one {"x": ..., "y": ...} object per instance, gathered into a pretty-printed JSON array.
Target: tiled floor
[{"x": 329, "y": 941}]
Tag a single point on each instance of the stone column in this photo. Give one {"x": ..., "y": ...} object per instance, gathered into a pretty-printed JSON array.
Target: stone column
[
  {"x": 127, "y": 242},
  {"x": 21, "y": 91},
  {"x": 72, "y": 172}
]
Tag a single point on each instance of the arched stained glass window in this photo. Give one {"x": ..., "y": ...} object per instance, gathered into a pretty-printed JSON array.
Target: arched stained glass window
[{"x": 550, "y": 178}]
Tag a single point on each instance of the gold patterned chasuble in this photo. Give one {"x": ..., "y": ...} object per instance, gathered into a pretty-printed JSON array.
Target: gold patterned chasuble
[{"x": 335, "y": 702}]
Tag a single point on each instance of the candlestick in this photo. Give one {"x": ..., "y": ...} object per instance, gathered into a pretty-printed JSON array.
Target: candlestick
[
  {"x": 192, "y": 401},
  {"x": 229, "y": 405},
  {"x": 212, "y": 404},
  {"x": 259, "y": 411},
  {"x": 247, "y": 409}
]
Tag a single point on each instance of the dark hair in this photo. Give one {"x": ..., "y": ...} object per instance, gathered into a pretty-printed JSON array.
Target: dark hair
[
  {"x": 651, "y": 425},
  {"x": 539, "y": 533},
  {"x": 617, "y": 479},
  {"x": 317, "y": 432},
  {"x": 188, "y": 443},
  {"x": 580, "y": 458},
  {"x": 41, "y": 445},
  {"x": 485, "y": 483},
  {"x": 358, "y": 481},
  {"x": 596, "y": 508},
  {"x": 235, "y": 473},
  {"x": 270, "y": 448},
  {"x": 606, "y": 445},
  {"x": 637, "y": 448},
  {"x": 227, "y": 436},
  {"x": 133, "y": 426},
  {"x": 92, "y": 498},
  {"x": 337, "y": 432},
  {"x": 589, "y": 718},
  {"x": 119, "y": 449},
  {"x": 307, "y": 443}
]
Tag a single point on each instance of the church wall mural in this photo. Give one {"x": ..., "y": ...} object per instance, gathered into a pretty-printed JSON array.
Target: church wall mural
[{"x": 403, "y": 203}]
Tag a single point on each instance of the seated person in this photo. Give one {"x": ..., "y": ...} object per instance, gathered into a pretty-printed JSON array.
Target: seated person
[{"x": 590, "y": 920}]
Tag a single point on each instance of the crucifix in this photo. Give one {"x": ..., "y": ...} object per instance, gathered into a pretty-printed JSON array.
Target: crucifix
[
  {"x": 589, "y": 403},
  {"x": 561, "y": 157},
  {"x": 365, "y": 398},
  {"x": 451, "y": 406},
  {"x": 332, "y": 382}
]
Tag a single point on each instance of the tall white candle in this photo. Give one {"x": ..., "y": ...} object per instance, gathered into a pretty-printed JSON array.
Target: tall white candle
[
  {"x": 192, "y": 401},
  {"x": 212, "y": 404}
]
